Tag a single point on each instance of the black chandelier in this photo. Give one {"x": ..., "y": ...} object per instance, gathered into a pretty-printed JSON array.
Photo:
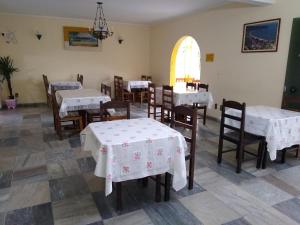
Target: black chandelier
[{"x": 100, "y": 29}]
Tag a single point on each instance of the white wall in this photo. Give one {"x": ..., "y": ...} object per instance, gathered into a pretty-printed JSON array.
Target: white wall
[
  {"x": 48, "y": 56},
  {"x": 256, "y": 78}
]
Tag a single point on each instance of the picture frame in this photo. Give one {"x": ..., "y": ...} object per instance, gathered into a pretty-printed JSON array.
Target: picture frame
[
  {"x": 75, "y": 37},
  {"x": 261, "y": 36}
]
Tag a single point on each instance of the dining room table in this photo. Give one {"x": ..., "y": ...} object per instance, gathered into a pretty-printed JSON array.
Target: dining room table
[
  {"x": 279, "y": 127},
  {"x": 186, "y": 96},
  {"x": 136, "y": 84},
  {"x": 135, "y": 148},
  {"x": 79, "y": 100},
  {"x": 64, "y": 85}
]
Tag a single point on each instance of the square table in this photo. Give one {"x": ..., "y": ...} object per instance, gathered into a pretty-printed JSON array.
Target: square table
[
  {"x": 187, "y": 97},
  {"x": 80, "y": 99},
  {"x": 136, "y": 84},
  {"x": 135, "y": 148},
  {"x": 64, "y": 85},
  {"x": 281, "y": 128}
]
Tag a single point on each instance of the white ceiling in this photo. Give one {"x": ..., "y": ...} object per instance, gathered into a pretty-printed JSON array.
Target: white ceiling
[{"x": 131, "y": 11}]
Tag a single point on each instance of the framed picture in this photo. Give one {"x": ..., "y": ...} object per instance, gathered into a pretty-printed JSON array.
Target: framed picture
[
  {"x": 261, "y": 36},
  {"x": 79, "y": 37}
]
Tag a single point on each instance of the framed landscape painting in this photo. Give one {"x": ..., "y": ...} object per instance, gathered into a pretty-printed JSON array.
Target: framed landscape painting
[
  {"x": 261, "y": 36},
  {"x": 79, "y": 37}
]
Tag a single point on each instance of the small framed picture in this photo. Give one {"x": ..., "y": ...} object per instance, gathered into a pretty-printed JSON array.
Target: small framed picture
[
  {"x": 262, "y": 36},
  {"x": 79, "y": 37}
]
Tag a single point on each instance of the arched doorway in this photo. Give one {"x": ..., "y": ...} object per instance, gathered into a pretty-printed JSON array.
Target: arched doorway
[{"x": 185, "y": 62}]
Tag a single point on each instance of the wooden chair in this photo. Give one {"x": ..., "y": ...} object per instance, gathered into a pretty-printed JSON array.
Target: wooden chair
[
  {"x": 93, "y": 115},
  {"x": 75, "y": 118},
  {"x": 120, "y": 92},
  {"x": 143, "y": 77},
  {"x": 192, "y": 85},
  {"x": 237, "y": 135},
  {"x": 152, "y": 101},
  {"x": 149, "y": 78},
  {"x": 80, "y": 78},
  {"x": 46, "y": 85},
  {"x": 200, "y": 106},
  {"x": 109, "y": 110},
  {"x": 167, "y": 103},
  {"x": 291, "y": 103}
]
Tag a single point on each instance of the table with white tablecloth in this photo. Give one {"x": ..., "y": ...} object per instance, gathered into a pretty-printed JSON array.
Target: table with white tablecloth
[
  {"x": 136, "y": 84},
  {"x": 281, "y": 128},
  {"x": 80, "y": 99},
  {"x": 135, "y": 148},
  {"x": 64, "y": 85},
  {"x": 187, "y": 97}
]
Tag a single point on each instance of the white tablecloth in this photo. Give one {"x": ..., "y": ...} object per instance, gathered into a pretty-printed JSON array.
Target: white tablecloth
[
  {"x": 133, "y": 149},
  {"x": 73, "y": 100},
  {"x": 187, "y": 96},
  {"x": 64, "y": 85},
  {"x": 281, "y": 128},
  {"x": 128, "y": 85}
]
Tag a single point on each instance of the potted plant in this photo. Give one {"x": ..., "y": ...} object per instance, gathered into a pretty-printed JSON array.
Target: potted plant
[{"x": 6, "y": 70}]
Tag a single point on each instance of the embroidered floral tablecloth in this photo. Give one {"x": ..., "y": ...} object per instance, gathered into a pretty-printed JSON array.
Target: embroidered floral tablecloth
[
  {"x": 80, "y": 99},
  {"x": 64, "y": 85},
  {"x": 187, "y": 97},
  {"x": 280, "y": 127},
  {"x": 131, "y": 84},
  {"x": 136, "y": 148}
]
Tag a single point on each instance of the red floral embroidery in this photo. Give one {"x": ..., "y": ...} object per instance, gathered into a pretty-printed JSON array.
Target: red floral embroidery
[
  {"x": 159, "y": 152},
  {"x": 178, "y": 150},
  {"x": 149, "y": 141},
  {"x": 103, "y": 150},
  {"x": 149, "y": 165},
  {"x": 126, "y": 169},
  {"x": 108, "y": 177},
  {"x": 125, "y": 145},
  {"x": 137, "y": 156}
]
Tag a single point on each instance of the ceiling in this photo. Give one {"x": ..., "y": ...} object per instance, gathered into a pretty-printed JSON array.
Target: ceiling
[{"x": 129, "y": 11}]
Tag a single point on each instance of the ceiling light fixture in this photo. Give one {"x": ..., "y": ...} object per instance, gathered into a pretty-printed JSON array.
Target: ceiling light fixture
[{"x": 100, "y": 29}]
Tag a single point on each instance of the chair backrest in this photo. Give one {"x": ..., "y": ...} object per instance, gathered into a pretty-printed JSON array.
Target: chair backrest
[
  {"x": 186, "y": 117},
  {"x": 192, "y": 85},
  {"x": 114, "y": 105},
  {"x": 55, "y": 106},
  {"x": 240, "y": 120},
  {"x": 151, "y": 97},
  {"x": 143, "y": 77},
  {"x": 118, "y": 86},
  {"x": 149, "y": 78},
  {"x": 102, "y": 88},
  {"x": 167, "y": 102},
  {"x": 46, "y": 83},
  {"x": 107, "y": 90},
  {"x": 203, "y": 86},
  {"x": 80, "y": 78},
  {"x": 291, "y": 103}
]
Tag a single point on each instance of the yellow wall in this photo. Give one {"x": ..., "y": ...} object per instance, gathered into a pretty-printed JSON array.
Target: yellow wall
[
  {"x": 48, "y": 56},
  {"x": 256, "y": 78}
]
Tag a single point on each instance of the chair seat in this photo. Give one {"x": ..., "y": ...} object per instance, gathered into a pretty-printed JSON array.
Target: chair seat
[{"x": 248, "y": 138}]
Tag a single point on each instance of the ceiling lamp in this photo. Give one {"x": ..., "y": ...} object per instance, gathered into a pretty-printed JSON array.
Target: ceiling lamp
[{"x": 100, "y": 29}]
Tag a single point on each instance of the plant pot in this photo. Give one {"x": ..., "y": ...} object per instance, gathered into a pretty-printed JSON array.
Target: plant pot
[{"x": 11, "y": 103}]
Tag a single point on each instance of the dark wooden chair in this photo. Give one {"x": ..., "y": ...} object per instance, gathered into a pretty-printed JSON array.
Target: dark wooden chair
[
  {"x": 46, "y": 85},
  {"x": 74, "y": 117},
  {"x": 191, "y": 85},
  {"x": 237, "y": 135},
  {"x": 120, "y": 92},
  {"x": 93, "y": 115},
  {"x": 149, "y": 78},
  {"x": 200, "y": 106},
  {"x": 291, "y": 103},
  {"x": 110, "y": 110},
  {"x": 80, "y": 78},
  {"x": 167, "y": 103},
  {"x": 152, "y": 102},
  {"x": 143, "y": 77}
]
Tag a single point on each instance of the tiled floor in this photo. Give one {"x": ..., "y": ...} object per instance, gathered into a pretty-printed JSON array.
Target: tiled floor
[{"x": 44, "y": 181}]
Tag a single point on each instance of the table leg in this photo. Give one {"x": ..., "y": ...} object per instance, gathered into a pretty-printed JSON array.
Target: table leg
[
  {"x": 157, "y": 188},
  {"x": 83, "y": 113},
  {"x": 167, "y": 186},
  {"x": 265, "y": 155},
  {"x": 119, "y": 195}
]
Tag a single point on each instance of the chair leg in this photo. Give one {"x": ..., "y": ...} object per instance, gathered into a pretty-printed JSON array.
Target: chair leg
[
  {"x": 265, "y": 155},
  {"x": 259, "y": 155},
  {"x": 220, "y": 150},
  {"x": 239, "y": 159},
  {"x": 80, "y": 124},
  {"x": 297, "y": 152},
  {"x": 157, "y": 188},
  {"x": 167, "y": 186},
  {"x": 58, "y": 130},
  {"x": 204, "y": 115},
  {"x": 191, "y": 172},
  {"x": 283, "y": 152},
  {"x": 119, "y": 195}
]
